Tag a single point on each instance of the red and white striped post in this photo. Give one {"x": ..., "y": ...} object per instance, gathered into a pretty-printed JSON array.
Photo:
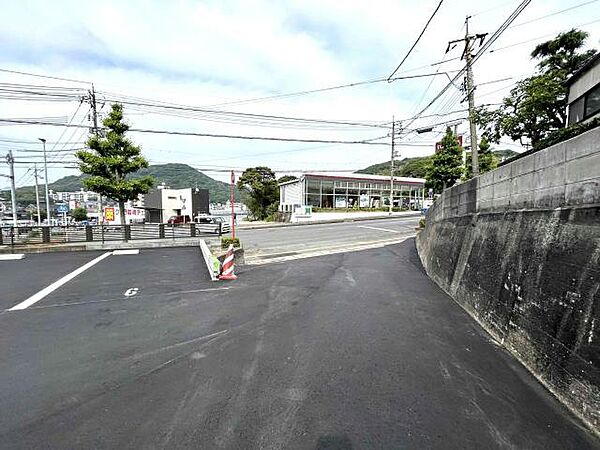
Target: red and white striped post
[
  {"x": 232, "y": 200},
  {"x": 227, "y": 268}
]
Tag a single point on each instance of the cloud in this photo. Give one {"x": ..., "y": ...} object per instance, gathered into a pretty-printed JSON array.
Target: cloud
[{"x": 210, "y": 52}]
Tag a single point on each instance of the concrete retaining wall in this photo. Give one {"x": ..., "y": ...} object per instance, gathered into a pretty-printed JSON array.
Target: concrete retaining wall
[{"x": 519, "y": 249}]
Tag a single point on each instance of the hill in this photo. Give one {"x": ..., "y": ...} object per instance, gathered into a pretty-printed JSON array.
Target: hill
[
  {"x": 416, "y": 167},
  {"x": 174, "y": 175}
]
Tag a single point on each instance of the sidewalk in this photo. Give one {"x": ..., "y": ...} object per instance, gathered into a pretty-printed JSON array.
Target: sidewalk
[{"x": 321, "y": 218}]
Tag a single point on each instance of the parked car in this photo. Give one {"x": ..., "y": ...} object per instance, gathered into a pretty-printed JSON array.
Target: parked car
[
  {"x": 213, "y": 220},
  {"x": 174, "y": 220}
]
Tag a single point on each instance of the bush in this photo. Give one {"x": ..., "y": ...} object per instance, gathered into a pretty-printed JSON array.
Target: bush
[
  {"x": 422, "y": 222},
  {"x": 272, "y": 212},
  {"x": 227, "y": 241},
  {"x": 563, "y": 134}
]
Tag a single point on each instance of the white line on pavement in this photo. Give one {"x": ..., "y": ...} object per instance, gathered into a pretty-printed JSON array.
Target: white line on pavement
[
  {"x": 134, "y": 251},
  {"x": 378, "y": 229},
  {"x": 58, "y": 283},
  {"x": 324, "y": 252},
  {"x": 11, "y": 256}
]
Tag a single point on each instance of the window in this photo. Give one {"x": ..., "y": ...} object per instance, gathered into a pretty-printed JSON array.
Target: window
[
  {"x": 586, "y": 106},
  {"x": 314, "y": 186},
  {"x": 592, "y": 102},
  {"x": 576, "y": 111}
]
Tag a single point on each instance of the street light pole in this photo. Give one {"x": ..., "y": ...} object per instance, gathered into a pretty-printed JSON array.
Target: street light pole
[
  {"x": 13, "y": 190},
  {"x": 37, "y": 194},
  {"x": 392, "y": 167},
  {"x": 46, "y": 181}
]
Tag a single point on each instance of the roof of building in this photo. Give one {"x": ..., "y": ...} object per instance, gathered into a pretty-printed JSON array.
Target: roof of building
[
  {"x": 357, "y": 177},
  {"x": 585, "y": 68}
]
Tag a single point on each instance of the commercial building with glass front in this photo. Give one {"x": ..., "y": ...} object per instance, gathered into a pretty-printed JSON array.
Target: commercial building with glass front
[{"x": 343, "y": 191}]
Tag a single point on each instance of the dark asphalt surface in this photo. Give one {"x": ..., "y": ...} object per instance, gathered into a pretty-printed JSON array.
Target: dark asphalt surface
[{"x": 347, "y": 351}]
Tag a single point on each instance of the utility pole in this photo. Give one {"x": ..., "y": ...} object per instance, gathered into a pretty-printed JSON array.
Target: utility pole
[
  {"x": 470, "y": 87},
  {"x": 37, "y": 194},
  {"x": 46, "y": 181},
  {"x": 13, "y": 190},
  {"x": 392, "y": 166},
  {"x": 95, "y": 122},
  {"x": 94, "y": 111}
]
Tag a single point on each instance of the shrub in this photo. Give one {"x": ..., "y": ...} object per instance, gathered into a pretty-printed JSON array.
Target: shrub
[
  {"x": 422, "y": 222},
  {"x": 563, "y": 134},
  {"x": 227, "y": 241}
]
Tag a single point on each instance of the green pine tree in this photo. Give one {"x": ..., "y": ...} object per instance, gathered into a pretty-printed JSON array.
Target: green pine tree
[
  {"x": 487, "y": 160},
  {"x": 446, "y": 164},
  {"x": 110, "y": 159}
]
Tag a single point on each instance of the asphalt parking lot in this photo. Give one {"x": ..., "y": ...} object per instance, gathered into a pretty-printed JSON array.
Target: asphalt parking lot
[{"x": 352, "y": 350}]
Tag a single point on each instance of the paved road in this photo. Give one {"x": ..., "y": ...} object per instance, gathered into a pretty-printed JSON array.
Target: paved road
[
  {"x": 347, "y": 351},
  {"x": 302, "y": 238}
]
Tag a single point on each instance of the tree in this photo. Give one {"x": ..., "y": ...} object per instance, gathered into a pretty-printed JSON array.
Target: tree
[
  {"x": 537, "y": 105},
  {"x": 110, "y": 159},
  {"x": 446, "y": 164},
  {"x": 286, "y": 178},
  {"x": 487, "y": 159},
  {"x": 79, "y": 214},
  {"x": 260, "y": 186}
]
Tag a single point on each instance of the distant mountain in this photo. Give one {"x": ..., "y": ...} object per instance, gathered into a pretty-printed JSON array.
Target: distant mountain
[
  {"x": 416, "y": 167},
  {"x": 176, "y": 176},
  {"x": 407, "y": 167}
]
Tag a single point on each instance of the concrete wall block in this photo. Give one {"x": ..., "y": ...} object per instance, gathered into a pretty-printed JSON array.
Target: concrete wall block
[
  {"x": 486, "y": 192},
  {"x": 521, "y": 200},
  {"x": 502, "y": 173},
  {"x": 523, "y": 166},
  {"x": 549, "y": 177},
  {"x": 584, "y": 144},
  {"x": 582, "y": 193},
  {"x": 584, "y": 168},
  {"x": 501, "y": 203},
  {"x": 550, "y": 197},
  {"x": 502, "y": 189},
  {"x": 484, "y": 205},
  {"x": 486, "y": 179},
  {"x": 549, "y": 157},
  {"x": 523, "y": 183}
]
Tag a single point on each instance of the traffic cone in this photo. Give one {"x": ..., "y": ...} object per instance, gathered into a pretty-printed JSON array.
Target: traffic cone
[{"x": 227, "y": 267}]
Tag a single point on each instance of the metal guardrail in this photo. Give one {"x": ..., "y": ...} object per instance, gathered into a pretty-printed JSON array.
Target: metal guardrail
[{"x": 29, "y": 235}]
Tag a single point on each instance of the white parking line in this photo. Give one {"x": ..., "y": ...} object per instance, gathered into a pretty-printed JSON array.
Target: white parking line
[
  {"x": 378, "y": 229},
  {"x": 58, "y": 283},
  {"x": 134, "y": 251},
  {"x": 11, "y": 256}
]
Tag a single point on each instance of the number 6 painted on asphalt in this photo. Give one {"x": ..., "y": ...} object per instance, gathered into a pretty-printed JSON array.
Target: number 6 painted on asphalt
[{"x": 131, "y": 292}]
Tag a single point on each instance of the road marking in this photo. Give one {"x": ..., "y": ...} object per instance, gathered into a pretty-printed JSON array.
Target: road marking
[
  {"x": 311, "y": 253},
  {"x": 58, "y": 283},
  {"x": 131, "y": 292},
  {"x": 378, "y": 229},
  {"x": 134, "y": 251},
  {"x": 11, "y": 256}
]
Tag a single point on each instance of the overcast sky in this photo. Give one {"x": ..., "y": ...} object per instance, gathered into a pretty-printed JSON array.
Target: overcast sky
[{"x": 206, "y": 53}]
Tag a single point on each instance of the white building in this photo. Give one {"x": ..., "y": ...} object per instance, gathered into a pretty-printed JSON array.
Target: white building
[
  {"x": 584, "y": 92},
  {"x": 341, "y": 191}
]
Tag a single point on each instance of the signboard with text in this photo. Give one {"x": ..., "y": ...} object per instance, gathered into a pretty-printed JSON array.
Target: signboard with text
[{"x": 438, "y": 145}]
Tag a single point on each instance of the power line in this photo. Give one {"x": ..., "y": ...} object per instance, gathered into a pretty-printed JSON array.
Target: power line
[
  {"x": 44, "y": 76},
  {"x": 481, "y": 51},
  {"x": 554, "y": 13},
  {"x": 543, "y": 36},
  {"x": 226, "y": 136},
  {"x": 417, "y": 41}
]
